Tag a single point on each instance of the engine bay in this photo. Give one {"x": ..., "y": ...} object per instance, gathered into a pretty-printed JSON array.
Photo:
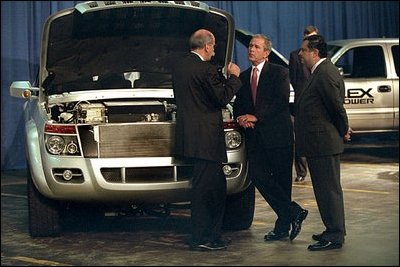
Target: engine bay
[{"x": 99, "y": 112}]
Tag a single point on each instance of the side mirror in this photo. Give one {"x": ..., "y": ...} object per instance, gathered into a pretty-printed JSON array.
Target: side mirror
[{"x": 23, "y": 89}]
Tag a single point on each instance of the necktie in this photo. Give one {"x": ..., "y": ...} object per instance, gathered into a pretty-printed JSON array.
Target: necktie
[{"x": 254, "y": 84}]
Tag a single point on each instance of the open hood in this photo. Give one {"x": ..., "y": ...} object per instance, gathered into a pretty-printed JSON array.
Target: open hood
[
  {"x": 109, "y": 39},
  {"x": 244, "y": 37}
]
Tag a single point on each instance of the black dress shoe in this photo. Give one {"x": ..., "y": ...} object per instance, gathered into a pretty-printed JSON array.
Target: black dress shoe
[
  {"x": 299, "y": 179},
  {"x": 324, "y": 245},
  {"x": 296, "y": 223},
  {"x": 223, "y": 241},
  {"x": 273, "y": 236},
  {"x": 210, "y": 246},
  {"x": 317, "y": 237}
]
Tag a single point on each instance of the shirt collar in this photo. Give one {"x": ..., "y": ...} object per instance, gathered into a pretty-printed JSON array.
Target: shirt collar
[
  {"x": 198, "y": 55},
  {"x": 259, "y": 66}
]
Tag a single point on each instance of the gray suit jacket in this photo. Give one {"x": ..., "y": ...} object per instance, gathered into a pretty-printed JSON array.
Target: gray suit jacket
[{"x": 320, "y": 118}]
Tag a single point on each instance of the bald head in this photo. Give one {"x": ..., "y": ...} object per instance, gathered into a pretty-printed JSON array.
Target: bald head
[
  {"x": 200, "y": 38},
  {"x": 202, "y": 42}
]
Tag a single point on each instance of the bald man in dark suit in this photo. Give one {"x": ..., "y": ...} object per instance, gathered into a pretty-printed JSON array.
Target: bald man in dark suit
[{"x": 200, "y": 93}]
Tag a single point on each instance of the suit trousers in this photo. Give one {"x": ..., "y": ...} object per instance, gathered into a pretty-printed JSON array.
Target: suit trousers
[
  {"x": 271, "y": 172},
  {"x": 208, "y": 198},
  {"x": 300, "y": 164},
  {"x": 325, "y": 177}
]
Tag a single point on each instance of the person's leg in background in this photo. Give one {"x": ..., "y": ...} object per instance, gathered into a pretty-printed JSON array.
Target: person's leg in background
[{"x": 300, "y": 164}]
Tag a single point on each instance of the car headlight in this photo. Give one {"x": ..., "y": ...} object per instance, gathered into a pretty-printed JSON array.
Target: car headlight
[
  {"x": 72, "y": 148},
  {"x": 233, "y": 139},
  {"x": 55, "y": 144}
]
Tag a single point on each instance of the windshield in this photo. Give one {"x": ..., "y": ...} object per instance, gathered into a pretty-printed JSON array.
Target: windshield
[{"x": 332, "y": 49}]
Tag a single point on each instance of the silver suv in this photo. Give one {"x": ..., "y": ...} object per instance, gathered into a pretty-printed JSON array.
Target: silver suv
[
  {"x": 371, "y": 73},
  {"x": 100, "y": 121}
]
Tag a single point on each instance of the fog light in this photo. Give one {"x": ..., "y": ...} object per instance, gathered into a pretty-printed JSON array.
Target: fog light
[
  {"x": 67, "y": 175},
  {"x": 227, "y": 170}
]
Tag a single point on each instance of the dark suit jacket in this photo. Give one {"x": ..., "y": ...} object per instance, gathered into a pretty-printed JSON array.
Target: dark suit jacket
[
  {"x": 200, "y": 93},
  {"x": 298, "y": 72},
  {"x": 274, "y": 127},
  {"x": 320, "y": 118}
]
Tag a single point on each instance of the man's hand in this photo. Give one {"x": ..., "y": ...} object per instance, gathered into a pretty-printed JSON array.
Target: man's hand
[
  {"x": 233, "y": 69},
  {"x": 247, "y": 121},
  {"x": 347, "y": 136}
]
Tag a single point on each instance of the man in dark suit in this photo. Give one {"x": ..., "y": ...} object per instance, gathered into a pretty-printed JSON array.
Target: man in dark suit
[
  {"x": 298, "y": 74},
  {"x": 200, "y": 93},
  {"x": 262, "y": 108},
  {"x": 321, "y": 125}
]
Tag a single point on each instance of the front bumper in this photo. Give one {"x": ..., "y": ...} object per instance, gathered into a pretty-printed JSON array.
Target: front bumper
[{"x": 144, "y": 180}]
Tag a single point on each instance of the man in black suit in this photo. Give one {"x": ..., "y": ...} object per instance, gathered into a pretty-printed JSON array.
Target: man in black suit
[
  {"x": 200, "y": 93},
  {"x": 262, "y": 108},
  {"x": 321, "y": 125},
  {"x": 298, "y": 74}
]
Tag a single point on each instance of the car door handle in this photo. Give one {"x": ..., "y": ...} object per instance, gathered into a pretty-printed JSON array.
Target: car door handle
[{"x": 384, "y": 88}]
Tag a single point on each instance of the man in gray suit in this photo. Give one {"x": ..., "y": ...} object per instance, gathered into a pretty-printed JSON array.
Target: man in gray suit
[
  {"x": 321, "y": 125},
  {"x": 298, "y": 74}
]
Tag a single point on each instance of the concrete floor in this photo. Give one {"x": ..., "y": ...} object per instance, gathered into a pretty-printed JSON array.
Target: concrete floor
[{"x": 370, "y": 180}]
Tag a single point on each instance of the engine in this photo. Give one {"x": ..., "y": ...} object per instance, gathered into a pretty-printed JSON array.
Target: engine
[{"x": 85, "y": 112}]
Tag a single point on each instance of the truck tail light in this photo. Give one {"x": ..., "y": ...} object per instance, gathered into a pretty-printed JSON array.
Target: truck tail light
[{"x": 231, "y": 125}]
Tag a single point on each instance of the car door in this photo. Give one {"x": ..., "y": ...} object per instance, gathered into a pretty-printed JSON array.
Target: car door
[
  {"x": 393, "y": 52},
  {"x": 369, "y": 91}
]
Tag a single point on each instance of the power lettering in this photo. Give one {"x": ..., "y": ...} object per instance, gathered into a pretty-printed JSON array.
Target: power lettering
[{"x": 356, "y": 96}]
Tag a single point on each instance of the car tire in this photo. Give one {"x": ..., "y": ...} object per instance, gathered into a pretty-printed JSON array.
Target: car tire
[
  {"x": 239, "y": 210},
  {"x": 44, "y": 218}
]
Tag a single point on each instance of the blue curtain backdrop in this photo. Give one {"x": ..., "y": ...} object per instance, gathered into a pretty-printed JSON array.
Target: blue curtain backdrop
[{"x": 282, "y": 21}]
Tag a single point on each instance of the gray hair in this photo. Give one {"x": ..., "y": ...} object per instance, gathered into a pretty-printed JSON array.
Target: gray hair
[
  {"x": 267, "y": 41},
  {"x": 200, "y": 38}
]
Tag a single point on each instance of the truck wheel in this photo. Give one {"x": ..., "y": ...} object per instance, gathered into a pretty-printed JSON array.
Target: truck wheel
[
  {"x": 239, "y": 210},
  {"x": 44, "y": 219}
]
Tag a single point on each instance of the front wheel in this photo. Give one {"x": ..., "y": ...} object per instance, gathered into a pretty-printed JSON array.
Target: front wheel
[
  {"x": 44, "y": 219},
  {"x": 239, "y": 210}
]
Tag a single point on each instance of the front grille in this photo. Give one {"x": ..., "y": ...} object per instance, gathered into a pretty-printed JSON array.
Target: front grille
[
  {"x": 147, "y": 174},
  {"x": 154, "y": 139}
]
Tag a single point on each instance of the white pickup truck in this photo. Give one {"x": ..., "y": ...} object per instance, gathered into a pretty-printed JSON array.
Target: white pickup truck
[{"x": 370, "y": 68}]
